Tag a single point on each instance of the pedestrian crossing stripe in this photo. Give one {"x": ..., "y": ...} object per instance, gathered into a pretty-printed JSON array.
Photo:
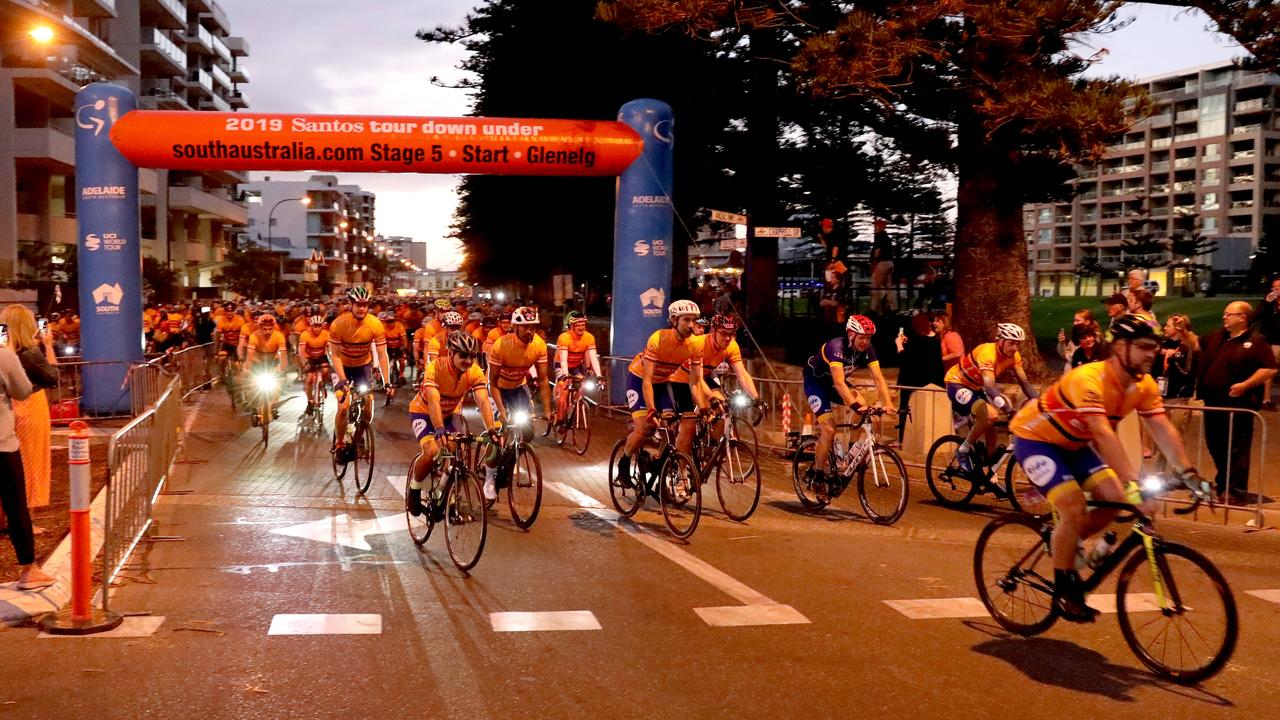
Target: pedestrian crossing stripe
[
  {"x": 543, "y": 621},
  {"x": 971, "y": 607},
  {"x": 1268, "y": 595},
  {"x": 326, "y": 624}
]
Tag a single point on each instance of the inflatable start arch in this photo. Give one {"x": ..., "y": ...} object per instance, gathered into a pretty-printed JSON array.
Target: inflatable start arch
[{"x": 114, "y": 139}]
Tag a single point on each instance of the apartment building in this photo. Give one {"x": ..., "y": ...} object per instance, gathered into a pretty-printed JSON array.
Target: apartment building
[
  {"x": 322, "y": 230},
  {"x": 174, "y": 55},
  {"x": 1208, "y": 156}
]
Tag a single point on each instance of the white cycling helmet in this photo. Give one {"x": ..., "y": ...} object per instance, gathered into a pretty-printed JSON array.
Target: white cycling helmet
[
  {"x": 525, "y": 316},
  {"x": 451, "y": 319},
  {"x": 1010, "y": 331},
  {"x": 682, "y": 307}
]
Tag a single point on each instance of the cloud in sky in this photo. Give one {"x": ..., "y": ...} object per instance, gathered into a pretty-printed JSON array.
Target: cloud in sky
[{"x": 335, "y": 56}]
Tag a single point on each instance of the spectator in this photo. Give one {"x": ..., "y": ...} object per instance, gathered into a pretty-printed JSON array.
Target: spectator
[
  {"x": 1088, "y": 346},
  {"x": 831, "y": 298},
  {"x": 884, "y": 297},
  {"x": 1140, "y": 303},
  {"x": 1174, "y": 368},
  {"x": 1267, "y": 321},
  {"x": 32, "y": 422},
  {"x": 1066, "y": 343},
  {"x": 1117, "y": 305},
  {"x": 1136, "y": 278},
  {"x": 1235, "y": 364},
  {"x": 952, "y": 343},
  {"x": 920, "y": 362},
  {"x": 13, "y": 491}
]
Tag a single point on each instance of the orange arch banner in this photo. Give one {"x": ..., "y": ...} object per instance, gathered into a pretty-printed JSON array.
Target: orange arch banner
[{"x": 177, "y": 140}]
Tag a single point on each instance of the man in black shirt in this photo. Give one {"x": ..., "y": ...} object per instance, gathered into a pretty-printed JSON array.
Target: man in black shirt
[
  {"x": 1267, "y": 321},
  {"x": 1235, "y": 365}
]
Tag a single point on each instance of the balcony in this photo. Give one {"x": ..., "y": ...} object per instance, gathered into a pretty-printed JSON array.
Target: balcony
[
  {"x": 1090, "y": 195},
  {"x": 1184, "y": 186},
  {"x": 49, "y": 147},
  {"x": 1186, "y": 137},
  {"x": 238, "y": 99},
  {"x": 1247, "y": 129},
  {"x": 240, "y": 73},
  {"x": 1162, "y": 166},
  {"x": 221, "y": 51},
  {"x": 1109, "y": 214},
  {"x": 1184, "y": 162},
  {"x": 200, "y": 79},
  {"x": 1161, "y": 189},
  {"x": 215, "y": 18},
  {"x": 220, "y": 77},
  {"x": 161, "y": 92},
  {"x": 1241, "y": 204},
  {"x": 1184, "y": 209},
  {"x": 168, "y": 14},
  {"x": 215, "y": 103},
  {"x": 1163, "y": 142},
  {"x": 1241, "y": 228},
  {"x": 1187, "y": 116},
  {"x": 1254, "y": 105},
  {"x": 156, "y": 46},
  {"x": 53, "y": 86},
  {"x": 1210, "y": 181},
  {"x": 207, "y": 204},
  {"x": 1063, "y": 220},
  {"x": 1160, "y": 120},
  {"x": 62, "y": 230},
  {"x": 1242, "y": 179},
  {"x": 200, "y": 41},
  {"x": 94, "y": 8},
  {"x": 238, "y": 46},
  {"x": 1220, "y": 82}
]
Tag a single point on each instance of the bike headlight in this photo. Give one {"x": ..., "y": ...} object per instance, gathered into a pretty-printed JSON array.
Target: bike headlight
[
  {"x": 363, "y": 388},
  {"x": 265, "y": 382},
  {"x": 740, "y": 401},
  {"x": 70, "y": 350},
  {"x": 1152, "y": 484},
  {"x": 520, "y": 418},
  {"x": 589, "y": 386}
]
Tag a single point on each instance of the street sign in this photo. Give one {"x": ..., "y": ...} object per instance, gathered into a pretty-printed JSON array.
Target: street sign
[
  {"x": 778, "y": 232},
  {"x": 722, "y": 216}
]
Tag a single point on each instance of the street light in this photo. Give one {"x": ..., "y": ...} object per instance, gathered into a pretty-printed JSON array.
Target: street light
[
  {"x": 42, "y": 34},
  {"x": 306, "y": 200}
]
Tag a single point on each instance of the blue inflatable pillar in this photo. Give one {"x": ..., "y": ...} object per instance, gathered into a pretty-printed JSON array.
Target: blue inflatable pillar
[
  {"x": 109, "y": 250},
  {"x": 642, "y": 237}
]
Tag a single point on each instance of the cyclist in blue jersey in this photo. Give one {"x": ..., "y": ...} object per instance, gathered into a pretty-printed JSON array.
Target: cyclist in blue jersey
[{"x": 826, "y": 383}]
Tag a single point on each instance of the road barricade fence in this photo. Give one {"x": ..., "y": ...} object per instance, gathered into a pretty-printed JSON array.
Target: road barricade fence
[
  {"x": 194, "y": 366},
  {"x": 930, "y": 418},
  {"x": 139, "y": 458}
]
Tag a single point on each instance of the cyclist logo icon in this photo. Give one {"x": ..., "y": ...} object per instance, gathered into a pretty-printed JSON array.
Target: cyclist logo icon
[{"x": 94, "y": 123}]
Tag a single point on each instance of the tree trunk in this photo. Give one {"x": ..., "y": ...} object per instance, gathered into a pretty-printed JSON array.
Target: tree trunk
[{"x": 990, "y": 250}]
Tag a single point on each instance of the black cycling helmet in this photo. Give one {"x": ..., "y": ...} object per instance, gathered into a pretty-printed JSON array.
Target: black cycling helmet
[
  {"x": 464, "y": 343},
  {"x": 1132, "y": 327}
]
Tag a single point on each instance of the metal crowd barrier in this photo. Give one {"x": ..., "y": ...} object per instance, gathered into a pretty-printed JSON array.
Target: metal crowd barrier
[
  {"x": 194, "y": 366},
  {"x": 139, "y": 458},
  {"x": 65, "y": 399}
]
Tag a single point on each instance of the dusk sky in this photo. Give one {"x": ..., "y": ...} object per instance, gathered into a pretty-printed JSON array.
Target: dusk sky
[{"x": 337, "y": 57}]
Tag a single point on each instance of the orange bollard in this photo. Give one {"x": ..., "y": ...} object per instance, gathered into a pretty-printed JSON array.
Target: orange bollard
[{"x": 82, "y": 618}]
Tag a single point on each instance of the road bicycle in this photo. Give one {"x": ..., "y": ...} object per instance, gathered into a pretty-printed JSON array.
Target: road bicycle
[
  {"x": 266, "y": 388},
  {"x": 661, "y": 472},
  {"x": 573, "y": 430},
  {"x": 229, "y": 373},
  {"x": 882, "y": 478},
  {"x": 955, "y": 486},
  {"x": 454, "y": 498},
  {"x": 317, "y": 384},
  {"x": 359, "y": 447},
  {"x": 397, "y": 365},
  {"x": 1176, "y": 611},
  {"x": 730, "y": 460},
  {"x": 519, "y": 472}
]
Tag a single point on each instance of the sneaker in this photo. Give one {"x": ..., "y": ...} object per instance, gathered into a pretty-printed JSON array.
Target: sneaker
[
  {"x": 490, "y": 490},
  {"x": 413, "y": 502},
  {"x": 275, "y": 413},
  {"x": 821, "y": 491},
  {"x": 1068, "y": 598},
  {"x": 964, "y": 462},
  {"x": 624, "y": 471}
]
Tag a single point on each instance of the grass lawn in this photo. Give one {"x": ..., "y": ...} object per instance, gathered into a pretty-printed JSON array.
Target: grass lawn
[{"x": 1048, "y": 315}]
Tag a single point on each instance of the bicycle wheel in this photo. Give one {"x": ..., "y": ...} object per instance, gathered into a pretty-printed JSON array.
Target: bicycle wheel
[
  {"x": 1014, "y": 574},
  {"x": 524, "y": 493},
  {"x": 800, "y": 467},
  {"x": 466, "y": 524},
  {"x": 364, "y": 458},
  {"x": 1184, "y": 625},
  {"x": 883, "y": 487},
  {"x": 626, "y": 493},
  {"x": 951, "y": 487},
  {"x": 680, "y": 493},
  {"x": 339, "y": 466},
  {"x": 580, "y": 432},
  {"x": 1023, "y": 495},
  {"x": 420, "y": 527},
  {"x": 746, "y": 432},
  {"x": 738, "y": 480}
]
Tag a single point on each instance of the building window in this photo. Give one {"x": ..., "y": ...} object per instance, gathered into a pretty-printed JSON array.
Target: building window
[
  {"x": 1211, "y": 151},
  {"x": 1213, "y": 115},
  {"x": 1211, "y": 176},
  {"x": 1045, "y": 236},
  {"x": 1042, "y": 256},
  {"x": 1209, "y": 225},
  {"x": 1046, "y": 215},
  {"x": 1209, "y": 201}
]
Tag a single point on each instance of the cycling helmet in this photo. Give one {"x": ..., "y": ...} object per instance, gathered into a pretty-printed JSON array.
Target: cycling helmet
[
  {"x": 860, "y": 325},
  {"x": 682, "y": 307},
  {"x": 442, "y": 304},
  {"x": 387, "y": 315},
  {"x": 358, "y": 294},
  {"x": 464, "y": 343},
  {"x": 1010, "y": 331},
  {"x": 574, "y": 317},
  {"x": 476, "y": 316},
  {"x": 316, "y": 320},
  {"x": 525, "y": 316},
  {"x": 1132, "y": 327},
  {"x": 267, "y": 319},
  {"x": 451, "y": 319},
  {"x": 724, "y": 322}
]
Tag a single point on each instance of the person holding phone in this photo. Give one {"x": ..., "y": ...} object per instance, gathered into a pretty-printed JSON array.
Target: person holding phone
[{"x": 32, "y": 422}]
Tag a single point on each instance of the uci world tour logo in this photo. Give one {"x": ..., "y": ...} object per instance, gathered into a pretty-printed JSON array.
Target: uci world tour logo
[
  {"x": 651, "y": 302},
  {"x": 89, "y": 121}
]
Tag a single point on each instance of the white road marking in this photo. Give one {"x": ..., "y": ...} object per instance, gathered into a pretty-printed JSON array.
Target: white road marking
[
  {"x": 343, "y": 530},
  {"x": 542, "y": 621},
  {"x": 134, "y": 626},
  {"x": 760, "y": 610},
  {"x": 971, "y": 607},
  {"x": 322, "y": 624},
  {"x": 1268, "y": 595}
]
